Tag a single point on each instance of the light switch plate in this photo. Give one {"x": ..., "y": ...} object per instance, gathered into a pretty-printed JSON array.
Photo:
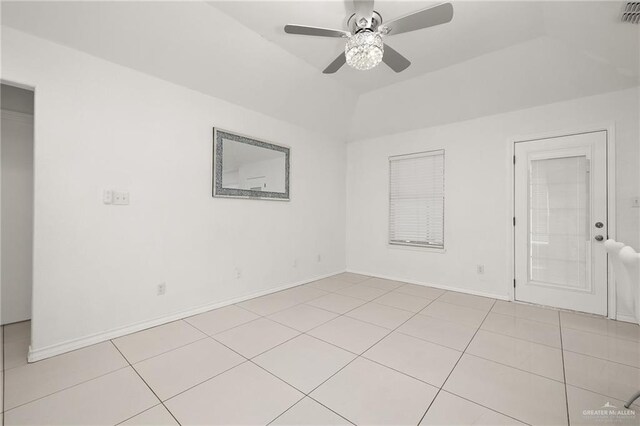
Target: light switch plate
[
  {"x": 107, "y": 196},
  {"x": 116, "y": 198}
]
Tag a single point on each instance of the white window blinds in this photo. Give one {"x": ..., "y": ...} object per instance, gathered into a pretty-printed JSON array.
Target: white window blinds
[{"x": 416, "y": 199}]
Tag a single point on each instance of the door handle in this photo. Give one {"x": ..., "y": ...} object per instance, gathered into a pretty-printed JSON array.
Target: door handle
[{"x": 599, "y": 237}]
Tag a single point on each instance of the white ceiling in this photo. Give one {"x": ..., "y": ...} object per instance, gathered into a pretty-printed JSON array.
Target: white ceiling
[
  {"x": 477, "y": 29},
  {"x": 495, "y": 56},
  {"x": 195, "y": 45}
]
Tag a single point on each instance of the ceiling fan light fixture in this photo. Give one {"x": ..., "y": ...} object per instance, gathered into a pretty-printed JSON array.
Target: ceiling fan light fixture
[{"x": 364, "y": 50}]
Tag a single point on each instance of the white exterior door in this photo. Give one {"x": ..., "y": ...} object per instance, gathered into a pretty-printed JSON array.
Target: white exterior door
[{"x": 561, "y": 222}]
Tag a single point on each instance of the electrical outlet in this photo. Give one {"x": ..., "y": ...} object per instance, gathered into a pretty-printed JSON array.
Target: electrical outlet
[
  {"x": 162, "y": 289},
  {"x": 238, "y": 273},
  {"x": 319, "y": 258},
  {"x": 480, "y": 269},
  {"x": 120, "y": 198},
  {"x": 635, "y": 202},
  {"x": 295, "y": 263}
]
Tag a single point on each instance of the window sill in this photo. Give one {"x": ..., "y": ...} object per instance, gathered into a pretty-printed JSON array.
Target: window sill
[{"x": 417, "y": 248}]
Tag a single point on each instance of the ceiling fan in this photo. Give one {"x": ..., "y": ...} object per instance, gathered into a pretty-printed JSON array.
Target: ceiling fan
[{"x": 364, "y": 48}]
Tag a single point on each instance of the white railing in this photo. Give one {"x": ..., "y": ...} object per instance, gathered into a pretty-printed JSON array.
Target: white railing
[{"x": 626, "y": 268}]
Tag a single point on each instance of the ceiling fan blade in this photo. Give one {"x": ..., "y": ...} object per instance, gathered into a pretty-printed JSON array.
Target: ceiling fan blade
[
  {"x": 314, "y": 31},
  {"x": 336, "y": 64},
  {"x": 396, "y": 61},
  {"x": 424, "y": 18},
  {"x": 364, "y": 10}
]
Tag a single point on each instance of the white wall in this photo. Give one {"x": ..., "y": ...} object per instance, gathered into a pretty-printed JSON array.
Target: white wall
[
  {"x": 477, "y": 181},
  {"x": 194, "y": 44},
  {"x": 16, "y": 99},
  {"x": 96, "y": 267},
  {"x": 538, "y": 72},
  {"x": 17, "y": 213}
]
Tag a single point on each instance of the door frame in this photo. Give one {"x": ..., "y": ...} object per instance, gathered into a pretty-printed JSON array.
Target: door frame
[
  {"x": 609, "y": 129},
  {"x": 21, "y": 84}
]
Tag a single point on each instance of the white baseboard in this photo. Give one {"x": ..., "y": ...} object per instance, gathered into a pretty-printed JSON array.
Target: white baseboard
[
  {"x": 92, "y": 339},
  {"x": 440, "y": 286},
  {"x": 627, "y": 318},
  {"x": 619, "y": 317}
]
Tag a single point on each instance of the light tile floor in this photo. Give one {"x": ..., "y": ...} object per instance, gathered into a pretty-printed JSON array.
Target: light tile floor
[{"x": 343, "y": 350}]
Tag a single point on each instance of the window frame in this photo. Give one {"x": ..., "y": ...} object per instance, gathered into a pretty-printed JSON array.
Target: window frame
[{"x": 440, "y": 248}]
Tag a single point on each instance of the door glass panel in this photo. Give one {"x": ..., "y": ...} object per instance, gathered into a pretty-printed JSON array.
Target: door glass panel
[{"x": 558, "y": 213}]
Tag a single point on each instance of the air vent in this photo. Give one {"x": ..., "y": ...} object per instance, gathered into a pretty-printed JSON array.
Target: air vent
[{"x": 631, "y": 12}]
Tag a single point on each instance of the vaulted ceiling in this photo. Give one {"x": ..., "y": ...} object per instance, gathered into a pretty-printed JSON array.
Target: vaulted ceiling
[
  {"x": 493, "y": 57},
  {"x": 478, "y": 28}
]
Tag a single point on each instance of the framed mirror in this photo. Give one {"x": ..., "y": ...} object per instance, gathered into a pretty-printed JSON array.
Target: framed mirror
[{"x": 245, "y": 167}]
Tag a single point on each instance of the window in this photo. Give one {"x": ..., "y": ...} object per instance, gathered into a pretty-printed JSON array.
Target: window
[{"x": 416, "y": 199}]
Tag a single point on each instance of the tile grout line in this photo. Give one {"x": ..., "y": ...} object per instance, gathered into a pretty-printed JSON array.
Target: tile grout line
[
  {"x": 260, "y": 316},
  {"x": 289, "y": 408},
  {"x": 207, "y": 379},
  {"x": 420, "y": 313},
  {"x": 522, "y": 339},
  {"x": 602, "y": 359},
  {"x": 464, "y": 306},
  {"x": 4, "y": 376},
  {"x": 564, "y": 373},
  {"x": 441, "y": 389},
  {"x": 425, "y": 314},
  {"x": 228, "y": 329},
  {"x": 338, "y": 315},
  {"x": 147, "y": 384},
  {"x": 484, "y": 406},
  {"x": 351, "y": 285},
  {"x": 67, "y": 388},
  {"x": 245, "y": 361},
  {"x": 344, "y": 314},
  {"x": 328, "y": 408},
  {"x": 604, "y": 335},
  {"x": 206, "y": 336},
  {"x": 512, "y": 367},
  {"x": 454, "y": 366},
  {"x": 468, "y": 353},
  {"x": 601, "y": 394},
  {"x": 339, "y": 294},
  {"x": 239, "y": 304},
  {"x": 356, "y": 356},
  {"x": 137, "y": 414},
  {"x": 509, "y": 366},
  {"x": 308, "y": 394},
  {"x": 248, "y": 360},
  {"x": 361, "y": 355},
  {"x": 490, "y": 310},
  {"x": 549, "y": 309},
  {"x": 589, "y": 356}
]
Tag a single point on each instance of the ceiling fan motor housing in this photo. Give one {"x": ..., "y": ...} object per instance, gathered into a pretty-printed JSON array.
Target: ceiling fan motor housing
[{"x": 354, "y": 28}]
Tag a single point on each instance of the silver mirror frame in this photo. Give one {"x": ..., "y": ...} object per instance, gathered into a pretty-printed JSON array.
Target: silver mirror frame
[{"x": 220, "y": 191}]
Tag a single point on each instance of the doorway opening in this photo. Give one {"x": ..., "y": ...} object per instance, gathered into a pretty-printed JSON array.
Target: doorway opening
[{"x": 16, "y": 220}]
